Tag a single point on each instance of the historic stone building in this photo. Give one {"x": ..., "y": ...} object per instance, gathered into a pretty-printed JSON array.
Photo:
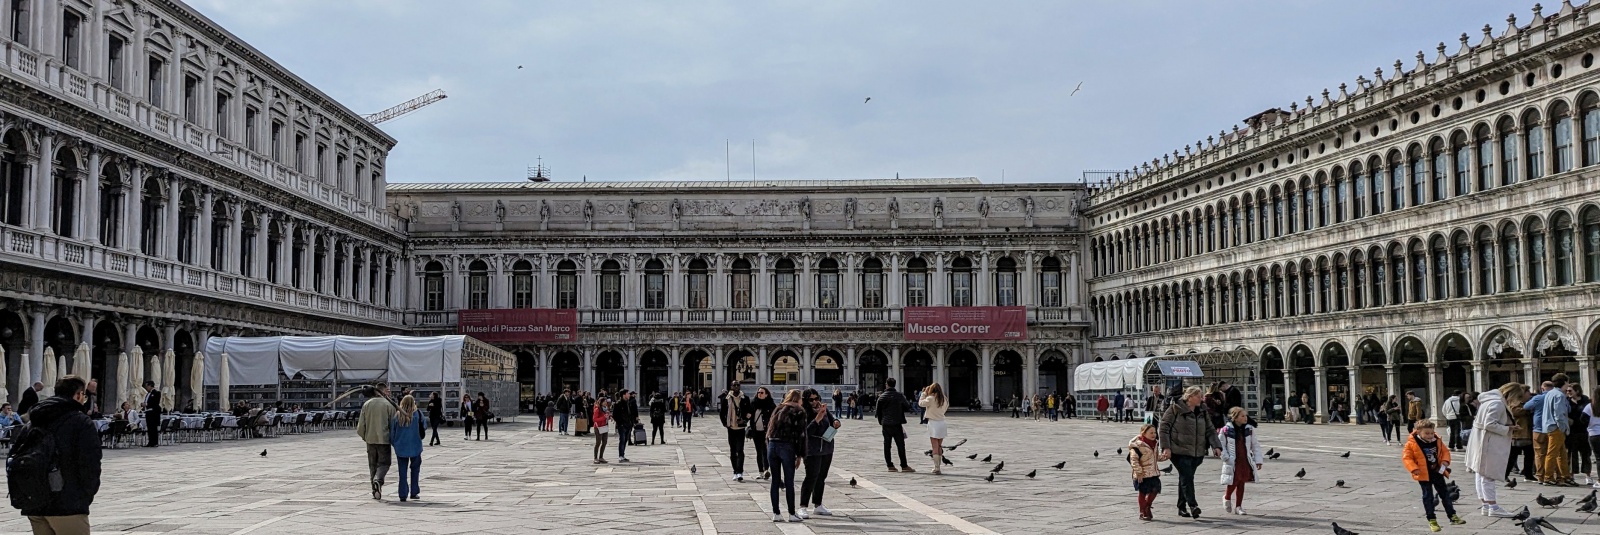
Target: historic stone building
[
  {"x": 162, "y": 181},
  {"x": 1434, "y": 226},
  {"x": 684, "y": 285}
]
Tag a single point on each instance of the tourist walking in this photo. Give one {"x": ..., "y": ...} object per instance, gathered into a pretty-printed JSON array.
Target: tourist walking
[
  {"x": 1450, "y": 411},
  {"x": 1578, "y": 433},
  {"x": 435, "y": 417},
  {"x": 760, "y": 410},
  {"x": 891, "y": 413},
  {"x": 785, "y": 441},
  {"x": 934, "y": 405},
  {"x": 1522, "y": 440},
  {"x": 601, "y": 419},
  {"x": 563, "y": 410},
  {"x": 1466, "y": 415},
  {"x": 1429, "y": 464},
  {"x": 480, "y": 412},
  {"x": 1016, "y": 407},
  {"x": 373, "y": 427},
  {"x": 466, "y": 414},
  {"x": 405, "y": 435},
  {"x": 838, "y": 402},
  {"x": 1413, "y": 411},
  {"x": 658, "y": 418},
  {"x": 675, "y": 406},
  {"x": 732, "y": 412},
  {"x": 1241, "y": 458},
  {"x": 1389, "y": 419},
  {"x": 1120, "y": 403},
  {"x": 1592, "y": 411},
  {"x": 1490, "y": 447},
  {"x": 1143, "y": 457},
  {"x": 1186, "y": 436},
  {"x": 688, "y": 411},
  {"x": 818, "y": 456},
  {"x": 626, "y": 415},
  {"x": 1101, "y": 405},
  {"x": 1553, "y": 420},
  {"x": 65, "y": 478}
]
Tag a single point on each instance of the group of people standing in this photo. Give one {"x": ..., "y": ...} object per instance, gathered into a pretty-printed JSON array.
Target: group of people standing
[{"x": 1051, "y": 406}]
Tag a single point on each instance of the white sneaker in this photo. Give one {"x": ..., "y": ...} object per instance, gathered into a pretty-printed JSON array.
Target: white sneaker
[
  {"x": 1238, "y": 510},
  {"x": 793, "y": 518},
  {"x": 1496, "y": 512},
  {"x": 1227, "y": 505},
  {"x": 777, "y": 518},
  {"x": 1483, "y": 510},
  {"x": 738, "y": 478},
  {"x": 820, "y": 510},
  {"x": 803, "y": 514}
]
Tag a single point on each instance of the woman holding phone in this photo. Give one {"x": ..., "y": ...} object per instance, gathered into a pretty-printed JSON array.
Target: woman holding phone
[
  {"x": 818, "y": 456},
  {"x": 934, "y": 406}
]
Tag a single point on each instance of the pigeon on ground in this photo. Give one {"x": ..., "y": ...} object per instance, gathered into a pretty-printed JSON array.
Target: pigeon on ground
[
  {"x": 1341, "y": 531},
  {"x": 263, "y": 453},
  {"x": 1454, "y": 491},
  {"x": 852, "y": 482},
  {"x": 1587, "y": 499},
  {"x": 1032, "y": 473},
  {"x": 1549, "y": 502},
  {"x": 1097, "y": 454},
  {"x": 988, "y": 458},
  {"x": 998, "y": 467},
  {"x": 1270, "y": 452},
  {"x": 1521, "y": 515},
  {"x": 1168, "y": 469},
  {"x": 1511, "y": 483},
  {"x": 692, "y": 469},
  {"x": 1533, "y": 525},
  {"x": 1301, "y": 474},
  {"x": 1275, "y": 456},
  {"x": 1119, "y": 451},
  {"x": 1345, "y": 456},
  {"x": 928, "y": 453},
  {"x": 1061, "y": 465},
  {"x": 973, "y": 456},
  {"x": 946, "y": 461},
  {"x": 1587, "y": 508},
  {"x": 989, "y": 477},
  {"x": 1340, "y": 484}
]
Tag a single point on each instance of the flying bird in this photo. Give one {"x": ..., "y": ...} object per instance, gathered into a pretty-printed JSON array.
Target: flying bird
[
  {"x": 869, "y": 99},
  {"x": 1032, "y": 473},
  {"x": 989, "y": 477},
  {"x": 852, "y": 482},
  {"x": 519, "y": 66},
  {"x": 957, "y": 445},
  {"x": 987, "y": 458},
  {"x": 1060, "y": 465},
  {"x": 1533, "y": 525},
  {"x": 1075, "y": 89},
  {"x": 263, "y": 453},
  {"x": 1339, "y": 483},
  {"x": 1168, "y": 469},
  {"x": 998, "y": 467},
  {"x": 973, "y": 456},
  {"x": 1341, "y": 531},
  {"x": 1345, "y": 456},
  {"x": 1549, "y": 502},
  {"x": 1301, "y": 474}
]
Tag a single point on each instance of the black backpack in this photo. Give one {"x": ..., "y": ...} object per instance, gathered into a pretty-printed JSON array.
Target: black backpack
[{"x": 32, "y": 477}]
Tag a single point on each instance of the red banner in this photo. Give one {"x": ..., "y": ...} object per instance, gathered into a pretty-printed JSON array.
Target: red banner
[
  {"x": 966, "y": 323},
  {"x": 519, "y": 324}
]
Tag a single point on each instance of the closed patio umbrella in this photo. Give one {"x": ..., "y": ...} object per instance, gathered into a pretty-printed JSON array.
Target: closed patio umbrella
[
  {"x": 222, "y": 383},
  {"x": 49, "y": 375},
  {"x": 123, "y": 384},
  {"x": 197, "y": 377}
]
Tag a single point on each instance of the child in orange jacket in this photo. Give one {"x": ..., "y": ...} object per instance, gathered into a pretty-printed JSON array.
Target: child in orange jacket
[{"x": 1429, "y": 465}]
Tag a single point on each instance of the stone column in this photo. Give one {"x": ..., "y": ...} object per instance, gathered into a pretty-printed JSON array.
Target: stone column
[
  {"x": 630, "y": 373},
  {"x": 1026, "y": 280},
  {"x": 1435, "y": 391},
  {"x": 542, "y": 375},
  {"x": 763, "y": 367},
  {"x": 941, "y": 370},
  {"x": 587, "y": 381},
  {"x": 40, "y": 316},
  {"x": 545, "y": 291},
  {"x": 986, "y": 378},
  {"x": 131, "y": 201},
  {"x": 674, "y": 369},
  {"x": 1586, "y": 373},
  {"x": 1030, "y": 370},
  {"x": 1476, "y": 373},
  {"x": 44, "y": 174},
  {"x": 202, "y": 254},
  {"x": 169, "y": 230},
  {"x": 982, "y": 282},
  {"x": 719, "y": 368},
  {"x": 895, "y": 369},
  {"x": 1321, "y": 397},
  {"x": 807, "y": 368},
  {"x": 89, "y": 219},
  {"x": 894, "y": 296},
  {"x": 850, "y": 374},
  {"x": 761, "y": 297},
  {"x": 939, "y": 283},
  {"x": 1530, "y": 372},
  {"x": 236, "y": 241},
  {"x": 1392, "y": 373},
  {"x": 1355, "y": 391}
]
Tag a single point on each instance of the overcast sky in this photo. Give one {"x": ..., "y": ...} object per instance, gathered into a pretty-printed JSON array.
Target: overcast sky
[{"x": 623, "y": 90}]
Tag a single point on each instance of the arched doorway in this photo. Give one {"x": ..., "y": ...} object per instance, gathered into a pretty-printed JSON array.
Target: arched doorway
[
  {"x": 827, "y": 368},
  {"x": 1272, "y": 372},
  {"x": 1303, "y": 374},
  {"x": 1008, "y": 378},
  {"x": 61, "y": 337},
  {"x": 917, "y": 370},
  {"x": 1411, "y": 359},
  {"x": 107, "y": 345},
  {"x": 527, "y": 377},
  {"x": 1455, "y": 358},
  {"x": 871, "y": 370},
  {"x": 653, "y": 368},
  {"x": 1336, "y": 362},
  {"x": 14, "y": 339},
  {"x": 183, "y": 365},
  {"x": 1556, "y": 349},
  {"x": 610, "y": 370},
  {"x": 1374, "y": 376},
  {"x": 785, "y": 368},
  {"x": 1502, "y": 356},
  {"x": 742, "y": 368},
  {"x": 1053, "y": 374},
  {"x": 698, "y": 367},
  {"x": 964, "y": 370},
  {"x": 566, "y": 372}
]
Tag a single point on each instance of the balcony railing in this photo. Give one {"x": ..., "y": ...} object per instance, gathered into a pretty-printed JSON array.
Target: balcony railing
[
  {"x": 74, "y": 86},
  {"x": 752, "y": 316},
  {"x": 75, "y": 257}
]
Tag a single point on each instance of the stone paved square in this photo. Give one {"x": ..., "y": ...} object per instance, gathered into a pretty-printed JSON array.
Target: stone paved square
[{"x": 527, "y": 481}]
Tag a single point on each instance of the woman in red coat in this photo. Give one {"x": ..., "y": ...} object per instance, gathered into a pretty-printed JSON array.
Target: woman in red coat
[{"x": 1102, "y": 405}]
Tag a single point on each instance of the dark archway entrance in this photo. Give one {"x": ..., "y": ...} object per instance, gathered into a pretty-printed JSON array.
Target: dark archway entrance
[
  {"x": 14, "y": 339},
  {"x": 653, "y": 368},
  {"x": 527, "y": 378},
  {"x": 566, "y": 372},
  {"x": 609, "y": 370},
  {"x": 1008, "y": 377},
  {"x": 1337, "y": 363},
  {"x": 917, "y": 372},
  {"x": 1052, "y": 373},
  {"x": 1374, "y": 376},
  {"x": 827, "y": 368},
  {"x": 785, "y": 368},
  {"x": 1412, "y": 360},
  {"x": 872, "y": 369},
  {"x": 1455, "y": 355},
  {"x": 697, "y": 370},
  {"x": 183, "y": 355},
  {"x": 964, "y": 370},
  {"x": 1272, "y": 372}
]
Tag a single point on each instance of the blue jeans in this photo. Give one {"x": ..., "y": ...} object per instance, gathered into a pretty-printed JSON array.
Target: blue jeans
[
  {"x": 409, "y": 466},
  {"x": 781, "y": 457},
  {"x": 563, "y": 424}
]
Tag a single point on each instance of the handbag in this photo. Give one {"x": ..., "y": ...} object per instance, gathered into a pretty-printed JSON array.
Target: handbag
[
  {"x": 602, "y": 429},
  {"x": 827, "y": 436}
]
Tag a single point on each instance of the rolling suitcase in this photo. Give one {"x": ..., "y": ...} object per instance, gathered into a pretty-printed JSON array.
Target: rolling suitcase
[{"x": 639, "y": 438}]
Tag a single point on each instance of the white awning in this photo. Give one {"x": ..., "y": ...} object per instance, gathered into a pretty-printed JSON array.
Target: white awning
[
  {"x": 403, "y": 359},
  {"x": 1112, "y": 374}
]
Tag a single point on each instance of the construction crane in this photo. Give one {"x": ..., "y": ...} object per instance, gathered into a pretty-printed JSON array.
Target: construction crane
[{"x": 407, "y": 107}]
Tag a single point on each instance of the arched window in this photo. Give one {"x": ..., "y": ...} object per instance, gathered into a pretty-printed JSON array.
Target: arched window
[
  {"x": 1340, "y": 195},
  {"x": 1358, "y": 206},
  {"x": 433, "y": 286},
  {"x": 917, "y": 282},
  {"x": 1308, "y": 196},
  {"x": 784, "y": 285},
  {"x": 611, "y": 285},
  {"x": 1293, "y": 282},
  {"x": 1050, "y": 282},
  {"x": 13, "y": 177},
  {"x": 1277, "y": 211},
  {"x": 249, "y": 233},
  {"x": 1463, "y": 163},
  {"x": 1397, "y": 178},
  {"x": 1324, "y": 286},
  {"x": 1005, "y": 282},
  {"x": 111, "y": 196},
  {"x": 1341, "y": 281},
  {"x": 1561, "y": 136},
  {"x": 1358, "y": 281},
  {"x": 699, "y": 284},
  {"x": 872, "y": 283},
  {"x": 1441, "y": 170},
  {"x": 1591, "y": 244},
  {"x": 1485, "y": 142},
  {"x": 1440, "y": 266},
  {"x": 739, "y": 289},
  {"x": 221, "y": 221},
  {"x": 567, "y": 284},
  {"x": 828, "y": 283},
  {"x": 297, "y": 257},
  {"x": 1324, "y": 201},
  {"x": 1535, "y": 144},
  {"x": 478, "y": 285},
  {"x": 1462, "y": 262},
  {"x": 1379, "y": 274},
  {"x": 1509, "y": 149},
  {"x": 1536, "y": 253},
  {"x": 522, "y": 284},
  {"x": 655, "y": 284},
  {"x": 1419, "y": 272},
  {"x": 319, "y": 259},
  {"x": 274, "y": 245},
  {"x": 188, "y": 221},
  {"x": 1380, "y": 184},
  {"x": 1276, "y": 295},
  {"x": 1249, "y": 219},
  {"x": 1564, "y": 248},
  {"x": 1510, "y": 260},
  {"x": 1397, "y": 275},
  {"x": 150, "y": 219},
  {"x": 64, "y": 216},
  {"x": 1293, "y": 194},
  {"x": 1591, "y": 129},
  {"x": 1486, "y": 262},
  {"x": 961, "y": 282}
]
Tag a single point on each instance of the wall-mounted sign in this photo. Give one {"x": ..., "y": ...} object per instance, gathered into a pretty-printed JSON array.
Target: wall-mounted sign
[
  {"x": 966, "y": 323},
  {"x": 519, "y": 324}
]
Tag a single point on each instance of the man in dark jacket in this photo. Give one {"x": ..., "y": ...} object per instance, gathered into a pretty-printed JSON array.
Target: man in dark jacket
[
  {"x": 1185, "y": 436},
  {"x": 152, "y": 414},
  {"x": 733, "y": 409},
  {"x": 77, "y": 456},
  {"x": 658, "y": 418},
  {"x": 626, "y": 412},
  {"x": 891, "y": 413},
  {"x": 563, "y": 408},
  {"x": 30, "y": 397}
]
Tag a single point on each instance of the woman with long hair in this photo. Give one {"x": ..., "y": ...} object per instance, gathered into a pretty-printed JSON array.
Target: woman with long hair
[
  {"x": 761, "y": 411},
  {"x": 405, "y": 435},
  {"x": 934, "y": 404},
  {"x": 466, "y": 414},
  {"x": 1592, "y": 410},
  {"x": 786, "y": 438},
  {"x": 602, "y": 429},
  {"x": 818, "y": 456},
  {"x": 435, "y": 416},
  {"x": 1490, "y": 447},
  {"x": 1390, "y": 418},
  {"x": 480, "y": 412}
]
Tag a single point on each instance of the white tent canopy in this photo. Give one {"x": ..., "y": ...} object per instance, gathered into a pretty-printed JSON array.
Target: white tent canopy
[
  {"x": 402, "y": 359},
  {"x": 1112, "y": 374}
]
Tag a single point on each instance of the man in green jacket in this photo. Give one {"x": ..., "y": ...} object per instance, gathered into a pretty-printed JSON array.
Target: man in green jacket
[{"x": 373, "y": 426}]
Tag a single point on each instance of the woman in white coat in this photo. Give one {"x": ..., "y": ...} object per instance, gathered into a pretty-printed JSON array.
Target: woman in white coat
[
  {"x": 1241, "y": 458},
  {"x": 1490, "y": 446}
]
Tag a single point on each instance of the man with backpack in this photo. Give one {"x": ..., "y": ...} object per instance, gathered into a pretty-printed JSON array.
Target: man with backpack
[{"x": 53, "y": 471}]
